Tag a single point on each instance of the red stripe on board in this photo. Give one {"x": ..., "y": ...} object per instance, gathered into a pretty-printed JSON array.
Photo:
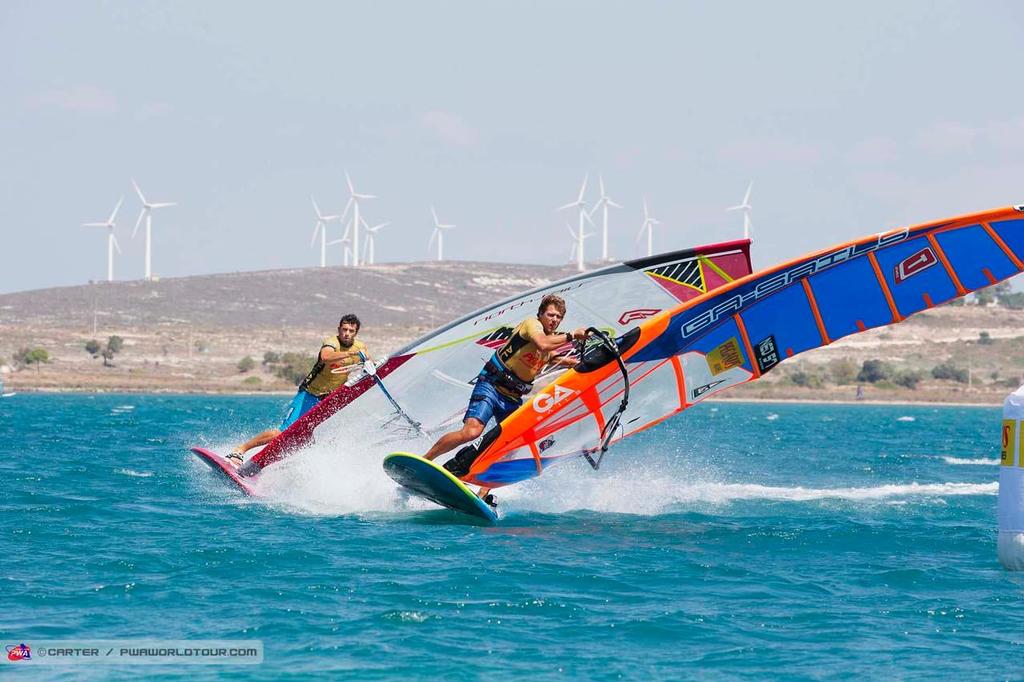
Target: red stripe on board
[{"x": 301, "y": 432}]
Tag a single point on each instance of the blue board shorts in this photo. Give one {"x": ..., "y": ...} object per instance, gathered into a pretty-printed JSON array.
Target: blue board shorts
[
  {"x": 302, "y": 403},
  {"x": 487, "y": 402}
]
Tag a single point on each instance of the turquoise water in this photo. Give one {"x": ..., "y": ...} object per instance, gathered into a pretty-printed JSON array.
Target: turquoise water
[{"x": 737, "y": 540}]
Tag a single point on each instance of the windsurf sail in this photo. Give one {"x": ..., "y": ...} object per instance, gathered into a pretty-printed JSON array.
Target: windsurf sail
[
  {"x": 738, "y": 332},
  {"x": 422, "y": 390}
]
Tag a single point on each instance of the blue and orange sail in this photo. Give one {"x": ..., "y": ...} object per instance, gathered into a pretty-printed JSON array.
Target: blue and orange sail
[{"x": 736, "y": 332}]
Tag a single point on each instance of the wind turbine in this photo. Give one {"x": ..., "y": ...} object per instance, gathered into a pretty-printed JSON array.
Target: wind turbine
[
  {"x": 746, "y": 208},
  {"x": 604, "y": 202},
  {"x": 648, "y": 225},
  {"x": 321, "y": 228},
  {"x": 577, "y": 246},
  {"x": 147, "y": 213},
  {"x": 584, "y": 216},
  {"x": 353, "y": 203},
  {"x": 370, "y": 239},
  {"x": 438, "y": 234},
  {"x": 111, "y": 239},
  {"x": 346, "y": 242}
]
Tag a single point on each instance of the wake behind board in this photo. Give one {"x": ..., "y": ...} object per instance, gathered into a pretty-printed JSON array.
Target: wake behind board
[
  {"x": 218, "y": 463},
  {"x": 425, "y": 479}
]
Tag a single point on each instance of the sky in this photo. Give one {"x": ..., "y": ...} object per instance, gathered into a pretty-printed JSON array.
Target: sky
[{"x": 849, "y": 118}]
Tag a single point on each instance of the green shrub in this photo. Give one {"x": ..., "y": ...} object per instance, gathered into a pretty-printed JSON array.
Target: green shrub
[
  {"x": 252, "y": 381},
  {"x": 271, "y": 357},
  {"x": 843, "y": 371},
  {"x": 951, "y": 372},
  {"x": 806, "y": 379},
  {"x": 93, "y": 347},
  {"x": 984, "y": 339},
  {"x": 873, "y": 371},
  {"x": 294, "y": 367},
  {"x": 908, "y": 379},
  {"x": 1013, "y": 301},
  {"x": 246, "y": 364},
  {"x": 31, "y": 356}
]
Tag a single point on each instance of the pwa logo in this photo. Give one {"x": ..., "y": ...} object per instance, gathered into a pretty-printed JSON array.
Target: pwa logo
[
  {"x": 545, "y": 401},
  {"x": 911, "y": 265},
  {"x": 19, "y": 652},
  {"x": 638, "y": 314}
]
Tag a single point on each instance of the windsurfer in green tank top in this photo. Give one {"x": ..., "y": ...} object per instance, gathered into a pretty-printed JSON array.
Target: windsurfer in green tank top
[{"x": 338, "y": 356}]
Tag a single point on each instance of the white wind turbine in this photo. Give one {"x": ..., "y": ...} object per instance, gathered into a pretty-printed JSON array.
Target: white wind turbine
[
  {"x": 604, "y": 202},
  {"x": 321, "y": 229},
  {"x": 353, "y": 203},
  {"x": 111, "y": 239},
  {"x": 346, "y": 245},
  {"x": 438, "y": 234},
  {"x": 370, "y": 240},
  {"x": 577, "y": 246},
  {"x": 648, "y": 225},
  {"x": 584, "y": 216},
  {"x": 746, "y": 208},
  {"x": 147, "y": 213}
]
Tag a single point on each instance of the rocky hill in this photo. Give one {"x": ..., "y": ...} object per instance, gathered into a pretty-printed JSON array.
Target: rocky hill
[{"x": 190, "y": 334}]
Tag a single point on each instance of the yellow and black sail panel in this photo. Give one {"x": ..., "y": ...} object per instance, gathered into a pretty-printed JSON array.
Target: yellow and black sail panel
[
  {"x": 746, "y": 327},
  {"x": 688, "y": 279}
]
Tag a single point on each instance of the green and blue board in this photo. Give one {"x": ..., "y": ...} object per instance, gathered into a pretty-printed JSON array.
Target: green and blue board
[{"x": 425, "y": 479}]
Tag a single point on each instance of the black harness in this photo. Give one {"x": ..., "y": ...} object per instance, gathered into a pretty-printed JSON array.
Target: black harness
[{"x": 501, "y": 376}]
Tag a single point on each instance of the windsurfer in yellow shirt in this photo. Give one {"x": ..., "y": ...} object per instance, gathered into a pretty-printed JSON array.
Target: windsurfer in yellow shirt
[
  {"x": 338, "y": 356},
  {"x": 508, "y": 376}
]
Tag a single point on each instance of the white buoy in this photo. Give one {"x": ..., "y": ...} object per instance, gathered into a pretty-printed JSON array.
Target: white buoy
[{"x": 1011, "y": 484}]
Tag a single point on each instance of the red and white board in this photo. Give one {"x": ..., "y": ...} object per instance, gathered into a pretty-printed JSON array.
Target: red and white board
[{"x": 218, "y": 463}]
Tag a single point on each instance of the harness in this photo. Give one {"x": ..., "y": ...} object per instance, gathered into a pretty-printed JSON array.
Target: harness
[{"x": 501, "y": 376}]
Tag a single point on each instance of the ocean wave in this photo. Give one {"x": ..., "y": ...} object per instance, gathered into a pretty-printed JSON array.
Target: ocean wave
[
  {"x": 133, "y": 473},
  {"x": 647, "y": 495},
  {"x": 981, "y": 461}
]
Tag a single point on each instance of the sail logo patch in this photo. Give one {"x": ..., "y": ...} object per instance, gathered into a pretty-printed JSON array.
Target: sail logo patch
[
  {"x": 701, "y": 390},
  {"x": 767, "y": 354},
  {"x": 545, "y": 401},
  {"x": 911, "y": 265},
  {"x": 638, "y": 314},
  {"x": 725, "y": 357}
]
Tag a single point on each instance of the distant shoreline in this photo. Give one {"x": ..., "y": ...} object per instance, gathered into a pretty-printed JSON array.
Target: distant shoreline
[{"x": 716, "y": 399}]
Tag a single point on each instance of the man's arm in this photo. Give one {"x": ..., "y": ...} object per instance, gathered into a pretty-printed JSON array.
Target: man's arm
[
  {"x": 328, "y": 354},
  {"x": 555, "y": 341}
]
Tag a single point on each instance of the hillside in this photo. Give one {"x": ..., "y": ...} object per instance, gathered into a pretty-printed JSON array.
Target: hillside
[{"x": 189, "y": 334}]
